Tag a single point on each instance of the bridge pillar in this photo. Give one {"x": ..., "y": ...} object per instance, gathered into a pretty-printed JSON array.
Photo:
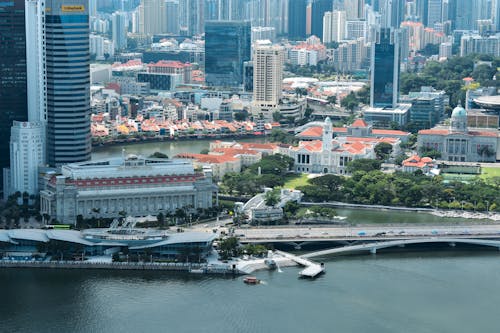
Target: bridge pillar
[{"x": 373, "y": 250}]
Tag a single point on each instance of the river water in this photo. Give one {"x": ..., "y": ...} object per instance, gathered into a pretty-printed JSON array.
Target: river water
[
  {"x": 451, "y": 291},
  {"x": 421, "y": 291},
  {"x": 170, "y": 148}
]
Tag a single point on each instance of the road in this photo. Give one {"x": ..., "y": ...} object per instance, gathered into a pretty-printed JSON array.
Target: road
[{"x": 326, "y": 233}]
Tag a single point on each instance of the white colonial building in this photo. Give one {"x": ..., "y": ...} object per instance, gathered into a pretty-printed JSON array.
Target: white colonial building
[
  {"x": 459, "y": 143},
  {"x": 135, "y": 186},
  {"x": 330, "y": 155}
]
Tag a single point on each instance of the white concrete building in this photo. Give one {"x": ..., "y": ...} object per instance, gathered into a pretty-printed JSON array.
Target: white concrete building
[
  {"x": 334, "y": 24},
  {"x": 458, "y": 143},
  {"x": 137, "y": 186},
  {"x": 267, "y": 78},
  {"x": 330, "y": 155}
]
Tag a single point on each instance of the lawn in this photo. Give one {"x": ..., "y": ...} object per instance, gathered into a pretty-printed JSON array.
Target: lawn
[
  {"x": 294, "y": 181},
  {"x": 487, "y": 173}
]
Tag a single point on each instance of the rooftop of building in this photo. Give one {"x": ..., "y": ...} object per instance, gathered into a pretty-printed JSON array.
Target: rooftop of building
[
  {"x": 106, "y": 237},
  {"x": 129, "y": 166}
]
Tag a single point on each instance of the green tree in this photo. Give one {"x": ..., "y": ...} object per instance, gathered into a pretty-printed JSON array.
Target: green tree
[
  {"x": 272, "y": 198},
  {"x": 383, "y": 150},
  {"x": 332, "y": 99},
  {"x": 363, "y": 164},
  {"x": 350, "y": 102}
]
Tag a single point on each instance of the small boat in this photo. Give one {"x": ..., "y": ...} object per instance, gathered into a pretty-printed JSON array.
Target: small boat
[
  {"x": 197, "y": 271},
  {"x": 270, "y": 263},
  {"x": 251, "y": 280}
]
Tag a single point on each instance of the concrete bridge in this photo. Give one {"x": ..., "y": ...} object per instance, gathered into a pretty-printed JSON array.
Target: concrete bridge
[{"x": 374, "y": 246}]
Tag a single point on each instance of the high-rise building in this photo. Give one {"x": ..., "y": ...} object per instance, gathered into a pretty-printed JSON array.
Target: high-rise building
[
  {"x": 68, "y": 81},
  {"x": 172, "y": 8},
  {"x": 464, "y": 15},
  {"x": 192, "y": 17},
  {"x": 13, "y": 99},
  {"x": 356, "y": 29},
  {"x": 268, "y": 63},
  {"x": 334, "y": 25},
  {"x": 119, "y": 30},
  {"x": 434, "y": 13},
  {"x": 152, "y": 17},
  {"x": 318, "y": 10},
  {"x": 227, "y": 47},
  {"x": 297, "y": 19},
  {"x": 355, "y": 9},
  {"x": 385, "y": 70},
  {"x": 27, "y": 140}
]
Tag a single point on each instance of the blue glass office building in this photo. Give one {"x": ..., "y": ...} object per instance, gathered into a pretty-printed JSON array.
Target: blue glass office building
[
  {"x": 385, "y": 70},
  {"x": 68, "y": 81},
  {"x": 13, "y": 100},
  {"x": 297, "y": 19},
  {"x": 318, "y": 10},
  {"x": 227, "y": 47}
]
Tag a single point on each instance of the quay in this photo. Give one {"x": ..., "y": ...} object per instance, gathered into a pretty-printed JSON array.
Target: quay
[
  {"x": 312, "y": 269},
  {"x": 67, "y": 264}
]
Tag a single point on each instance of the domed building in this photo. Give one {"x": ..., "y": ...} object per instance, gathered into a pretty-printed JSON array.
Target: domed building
[{"x": 459, "y": 143}]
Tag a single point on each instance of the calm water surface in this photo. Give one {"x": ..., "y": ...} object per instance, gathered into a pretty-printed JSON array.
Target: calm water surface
[
  {"x": 171, "y": 148},
  {"x": 411, "y": 292}
]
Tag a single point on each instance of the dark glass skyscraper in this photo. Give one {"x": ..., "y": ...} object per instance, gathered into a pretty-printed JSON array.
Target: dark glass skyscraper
[
  {"x": 318, "y": 9},
  {"x": 13, "y": 100},
  {"x": 385, "y": 70},
  {"x": 297, "y": 19},
  {"x": 227, "y": 47},
  {"x": 68, "y": 81}
]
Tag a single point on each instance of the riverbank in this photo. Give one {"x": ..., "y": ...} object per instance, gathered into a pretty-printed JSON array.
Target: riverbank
[
  {"x": 66, "y": 264},
  {"x": 436, "y": 212}
]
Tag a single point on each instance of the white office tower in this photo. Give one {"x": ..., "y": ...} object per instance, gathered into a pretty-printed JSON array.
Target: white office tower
[
  {"x": 334, "y": 24},
  {"x": 267, "y": 76},
  {"x": 27, "y": 141}
]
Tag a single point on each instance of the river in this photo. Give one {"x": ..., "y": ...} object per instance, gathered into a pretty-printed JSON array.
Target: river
[
  {"x": 410, "y": 292},
  {"x": 170, "y": 148}
]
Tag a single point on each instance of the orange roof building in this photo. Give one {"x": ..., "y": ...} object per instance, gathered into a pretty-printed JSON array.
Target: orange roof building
[{"x": 458, "y": 143}]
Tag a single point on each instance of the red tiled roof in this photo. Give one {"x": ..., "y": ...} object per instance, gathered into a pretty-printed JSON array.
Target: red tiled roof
[
  {"x": 214, "y": 159},
  {"x": 417, "y": 161},
  {"x": 434, "y": 132},
  {"x": 389, "y": 132},
  {"x": 359, "y": 123},
  {"x": 316, "y": 131}
]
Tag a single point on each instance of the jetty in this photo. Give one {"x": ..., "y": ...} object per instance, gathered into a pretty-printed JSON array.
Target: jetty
[{"x": 311, "y": 270}]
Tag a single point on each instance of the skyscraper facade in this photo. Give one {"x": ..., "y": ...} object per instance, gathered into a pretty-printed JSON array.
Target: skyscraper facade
[
  {"x": 385, "y": 70},
  {"x": 68, "y": 81},
  {"x": 267, "y": 76},
  {"x": 27, "y": 139},
  {"x": 334, "y": 26},
  {"x": 318, "y": 10},
  {"x": 119, "y": 30},
  {"x": 227, "y": 47},
  {"x": 152, "y": 17},
  {"x": 13, "y": 98},
  {"x": 172, "y": 9},
  {"x": 297, "y": 19}
]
